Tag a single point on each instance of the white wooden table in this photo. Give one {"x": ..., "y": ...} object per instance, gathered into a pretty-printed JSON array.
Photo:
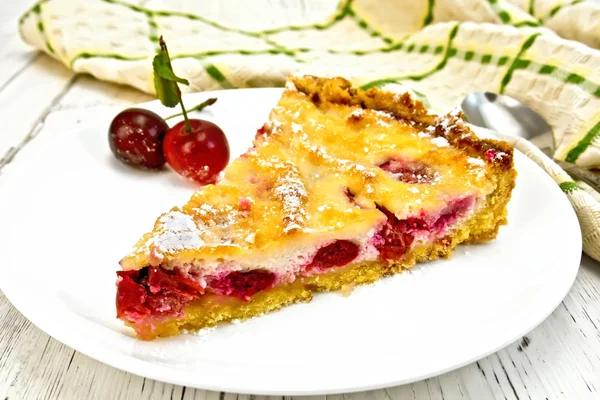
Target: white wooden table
[{"x": 560, "y": 359}]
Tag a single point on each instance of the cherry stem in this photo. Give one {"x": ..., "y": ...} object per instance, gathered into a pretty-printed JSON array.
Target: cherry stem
[
  {"x": 188, "y": 126},
  {"x": 199, "y": 107}
]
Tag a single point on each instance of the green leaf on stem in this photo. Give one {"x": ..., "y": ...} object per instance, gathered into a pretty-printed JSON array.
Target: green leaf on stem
[
  {"x": 165, "y": 80},
  {"x": 166, "y": 91}
]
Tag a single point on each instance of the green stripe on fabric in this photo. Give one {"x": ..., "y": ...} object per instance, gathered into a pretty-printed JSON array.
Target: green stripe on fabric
[
  {"x": 151, "y": 14},
  {"x": 153, "y": 31},
  {"x": 575, "y": 79},
  {"x": 197, "y": 56},
  {"x": 429, "y": 16},
  {"x": 569, "y": 186},
  {"x": 506, "y": 17},
  {"x": 547, "y": 69},
  {"x": 444, "y": 61},
  {"x": 531, "y": 8},
  {"x": 35, "y": 6},
  {"x": 583, "y": 144},
  {"x": 279, "y": 49},
  {"x": 109, "y": 55},
  {"x": 218, "y": 76},
  {"x": 364, "y": 25},
  {"x": 37, "y": 10},
  {"x": 502, "y": 14},
  {"x": 521, "y": 64},
  {"x": 564, "y": 76},
  {"x": 449, "y": 52},
  {"x": 558, "y": 8},
  {"x": 531, "y": 24},
  {"x": 242, "y": 52},
  {"x": 128, "y": 5},
  {"x": 517, "y": 62},
  {"x": 195, "y": 17},
  {"x": 343, "y": 10}
]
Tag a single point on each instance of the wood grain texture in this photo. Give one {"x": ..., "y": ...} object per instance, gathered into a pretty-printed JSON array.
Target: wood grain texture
[{"x": 560, "y": 359}]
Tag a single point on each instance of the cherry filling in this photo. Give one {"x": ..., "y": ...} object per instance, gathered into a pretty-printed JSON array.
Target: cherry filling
[
  {"x": 243, "y": 285},
  {"x": 396, "y": 236},
  {"x": 154, "y": 290},
  {"x": 159, "y": 292},
  {"x": 453, "y": 212},
  {"x": 262, "y": 131},
  {"x": 336, "y": 254},
  {"x": 408, "y": 171}
]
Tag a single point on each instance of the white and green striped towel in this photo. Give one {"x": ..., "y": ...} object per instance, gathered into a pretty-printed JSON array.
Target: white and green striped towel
[{"x": 542, "y": 52}]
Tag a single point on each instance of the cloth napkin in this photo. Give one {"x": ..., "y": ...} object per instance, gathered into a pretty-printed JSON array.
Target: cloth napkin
[{"x": 542, "y": 52}]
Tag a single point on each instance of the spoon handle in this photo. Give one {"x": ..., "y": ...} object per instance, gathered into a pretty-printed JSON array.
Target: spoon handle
[{"x": 585, "y": 175}]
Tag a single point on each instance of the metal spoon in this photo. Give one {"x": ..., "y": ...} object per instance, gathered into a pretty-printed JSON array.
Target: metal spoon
[{"x": 511, "y": 117}]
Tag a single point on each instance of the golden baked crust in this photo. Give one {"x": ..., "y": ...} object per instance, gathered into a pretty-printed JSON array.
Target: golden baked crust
[
  {"x": 315, "y": 174},
  {"x": 319, "y": 141}
]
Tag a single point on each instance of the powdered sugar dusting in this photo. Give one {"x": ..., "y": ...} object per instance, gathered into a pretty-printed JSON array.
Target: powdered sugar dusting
[
  {"x": 382, "y": 118},
  {"x": 345, "y": 165},
  {"x": 275, "y": 126},
  {"x": 289, "y": 85},
  {"x": 250, "y": 238},
  {"x": 440, "y": 141},
  {"x": 316, "y": 125},
  {"x": 451, "y": 120},
  {"x": 291, "y": 192},
  {"x": 179, "y": 232},
  {"x": 476, "y": 161},
  {"x": 357, "y": 113},
  {"x": 382, "y": 114}
]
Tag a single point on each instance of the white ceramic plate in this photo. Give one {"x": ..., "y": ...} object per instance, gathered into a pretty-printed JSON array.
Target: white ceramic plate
[{"x": 69, "y": 212}]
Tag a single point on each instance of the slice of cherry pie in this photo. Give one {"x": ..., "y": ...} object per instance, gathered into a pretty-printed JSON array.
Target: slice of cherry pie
[{"x": 342, "y": 187}]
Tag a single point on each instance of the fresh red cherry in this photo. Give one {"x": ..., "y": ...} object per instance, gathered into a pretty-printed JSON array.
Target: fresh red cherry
[
  {"x": 200, "y": 154},
  {"x": 136, "y": 136}
]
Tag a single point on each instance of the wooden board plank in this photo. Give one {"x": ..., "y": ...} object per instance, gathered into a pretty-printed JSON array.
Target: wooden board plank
[{"x": 14, "y": 53}]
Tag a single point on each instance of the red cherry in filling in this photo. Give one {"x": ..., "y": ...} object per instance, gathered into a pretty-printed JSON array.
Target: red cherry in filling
[
  {"x": 408, "y": 171},
  {"x": 154, "y": 291},
  {"x": 336, "y": 254},
  {"x": 131, "y": 296},
  {"x": 200, "y": 154},
  {"x": 243, "y": 285},
  {"x": 398, "y": 235},
  {"x": 136, "y": 137}
]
